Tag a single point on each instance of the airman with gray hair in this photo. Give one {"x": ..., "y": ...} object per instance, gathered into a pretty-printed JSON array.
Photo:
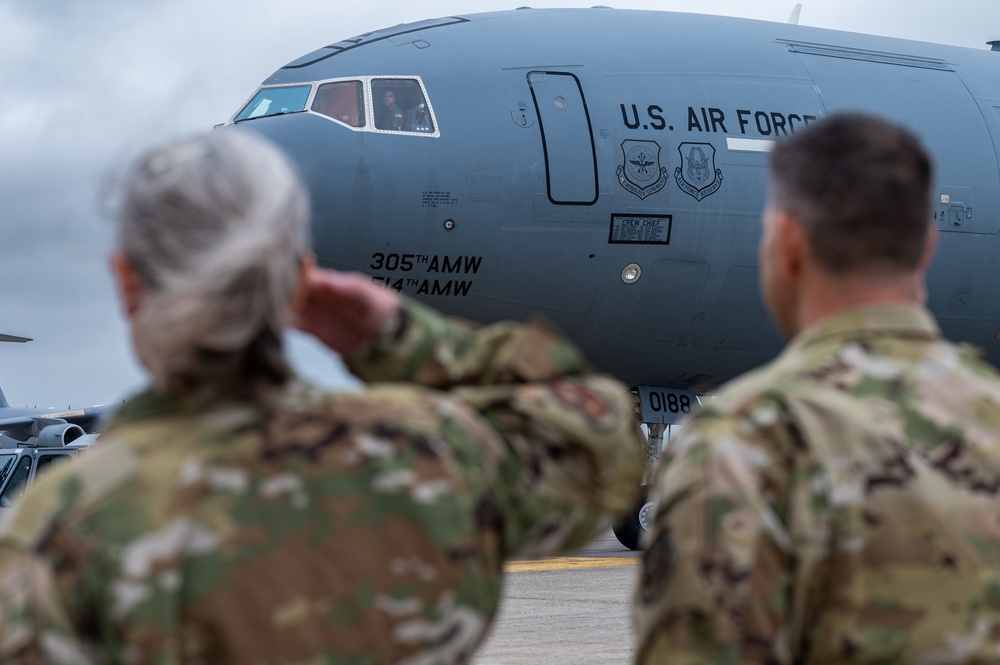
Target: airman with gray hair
[
  {"x": 233, "y": 514},
  {"x": 213, "y": 252}
]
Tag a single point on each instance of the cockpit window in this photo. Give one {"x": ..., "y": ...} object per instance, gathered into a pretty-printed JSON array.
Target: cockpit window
[
  {"x": 400, "y": 106},
  {"x": 343, "y": 101},
  {"x": 396, "y": 104},
  {"x": 275, "y": 101}
]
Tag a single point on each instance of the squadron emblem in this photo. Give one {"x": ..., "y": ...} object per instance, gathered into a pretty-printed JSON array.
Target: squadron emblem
[
  {"x": 640, "y": 171},
  {"x": 697, "y": 175}
]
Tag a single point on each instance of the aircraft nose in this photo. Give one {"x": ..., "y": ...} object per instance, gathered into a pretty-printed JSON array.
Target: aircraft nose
[
  {"x": 312, "y": 142},
  {"x": 329, "y": 157}
]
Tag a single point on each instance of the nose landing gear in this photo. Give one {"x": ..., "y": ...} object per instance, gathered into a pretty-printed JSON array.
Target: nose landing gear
[{"x": 629, "y": 529}]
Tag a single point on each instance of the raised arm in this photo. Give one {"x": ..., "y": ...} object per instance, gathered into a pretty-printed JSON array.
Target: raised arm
[
  {"x": 388, "y": 338},
  {"x": 573, "y": 449}
]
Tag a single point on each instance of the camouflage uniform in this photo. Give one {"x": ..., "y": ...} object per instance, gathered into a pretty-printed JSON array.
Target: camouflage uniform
[
  {"x": 346, "y": 528},
  {"x": 836, "y": 506},
  {"x": 394, "y": 119}
]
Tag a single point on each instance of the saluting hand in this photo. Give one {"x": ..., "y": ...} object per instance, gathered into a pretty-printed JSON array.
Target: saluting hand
[{"x": 344, "y": 309}]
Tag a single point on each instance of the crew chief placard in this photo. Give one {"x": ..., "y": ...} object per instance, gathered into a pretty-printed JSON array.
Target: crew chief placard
[{"x": 640, "y": 229}]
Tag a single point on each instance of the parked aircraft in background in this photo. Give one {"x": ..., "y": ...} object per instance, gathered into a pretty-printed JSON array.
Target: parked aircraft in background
[
  {"x": 608, "y": 168},
  {"x": 31, "y": 426},
  {"x": 33, "y": 439}
]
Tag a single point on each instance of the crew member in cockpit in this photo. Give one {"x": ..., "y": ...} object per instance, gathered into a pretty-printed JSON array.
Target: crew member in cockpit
[{"x": 393, "y": 118}]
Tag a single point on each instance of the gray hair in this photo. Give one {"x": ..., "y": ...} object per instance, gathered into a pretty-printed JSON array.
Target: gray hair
[{"x": 216, "y": 226}]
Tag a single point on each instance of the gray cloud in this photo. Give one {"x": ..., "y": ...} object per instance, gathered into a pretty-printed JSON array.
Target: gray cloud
[{"x": 87, "y": 85}]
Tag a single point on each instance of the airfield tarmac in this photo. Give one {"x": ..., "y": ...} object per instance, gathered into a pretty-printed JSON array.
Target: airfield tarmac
[{"x": 570, "y": 609}]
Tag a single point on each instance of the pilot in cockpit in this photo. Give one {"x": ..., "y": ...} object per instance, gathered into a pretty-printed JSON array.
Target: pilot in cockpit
[{"x": 393, "y": 118}]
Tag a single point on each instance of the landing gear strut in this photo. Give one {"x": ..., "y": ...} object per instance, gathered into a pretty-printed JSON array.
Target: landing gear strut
[{"x": 629, "y": 529}]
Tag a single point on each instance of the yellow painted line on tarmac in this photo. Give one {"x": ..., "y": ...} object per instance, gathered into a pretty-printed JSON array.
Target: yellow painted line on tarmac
[{"x": 568, "y": 563}]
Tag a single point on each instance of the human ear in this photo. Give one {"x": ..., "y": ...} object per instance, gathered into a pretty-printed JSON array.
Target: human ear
[
  {"x": 130, "y": 284},
  {"x": 307, "y": 263},
  {"x": 792, "y": 249},
  {"x": 930, "y": 244}
]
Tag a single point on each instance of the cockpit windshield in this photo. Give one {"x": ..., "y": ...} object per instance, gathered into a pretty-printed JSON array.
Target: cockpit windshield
[
  {"x": 343, "y": 101},
  {"x": 394, "y": 104},
  {"x": 400, "y": 106},
  {"x": 276, "y": 100}
]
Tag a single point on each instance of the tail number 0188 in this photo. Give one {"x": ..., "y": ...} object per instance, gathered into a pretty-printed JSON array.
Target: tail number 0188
[{"x": 666, "y": 405}]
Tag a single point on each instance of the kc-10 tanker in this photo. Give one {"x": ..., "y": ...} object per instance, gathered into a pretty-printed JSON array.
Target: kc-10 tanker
[{"x": 608, "y": 168}]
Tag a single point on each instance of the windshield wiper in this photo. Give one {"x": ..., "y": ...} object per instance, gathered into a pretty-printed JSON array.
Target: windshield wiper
[{"x": 267, "y": 115}]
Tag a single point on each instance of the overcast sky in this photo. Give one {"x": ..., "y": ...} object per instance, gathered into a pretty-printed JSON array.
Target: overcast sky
[{"x": 85, "y": 85}]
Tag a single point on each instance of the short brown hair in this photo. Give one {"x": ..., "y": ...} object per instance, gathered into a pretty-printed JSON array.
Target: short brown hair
[{"x": 860, "y": 187}]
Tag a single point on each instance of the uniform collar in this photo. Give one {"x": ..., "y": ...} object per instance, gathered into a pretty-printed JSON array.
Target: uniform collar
[
  {"x": 894, "y": 320},
  {"x": 151, "y": 403}
]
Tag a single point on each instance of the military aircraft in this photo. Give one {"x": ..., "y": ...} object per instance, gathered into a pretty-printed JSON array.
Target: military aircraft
[
  {"x": 608, "y": 168},
  {"x": 28, "y": 426},
  {"x": 33, "y": 439}
]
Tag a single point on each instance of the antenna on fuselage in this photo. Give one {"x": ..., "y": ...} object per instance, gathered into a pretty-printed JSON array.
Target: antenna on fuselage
[{"x": 794, "y": 18}]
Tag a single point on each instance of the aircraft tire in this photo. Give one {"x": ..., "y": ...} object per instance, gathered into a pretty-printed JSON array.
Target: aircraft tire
[{"x": 629, "y": 529}]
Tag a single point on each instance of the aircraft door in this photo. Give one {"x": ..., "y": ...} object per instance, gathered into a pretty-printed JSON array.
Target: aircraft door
[{"x": 567, "y": 138}]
